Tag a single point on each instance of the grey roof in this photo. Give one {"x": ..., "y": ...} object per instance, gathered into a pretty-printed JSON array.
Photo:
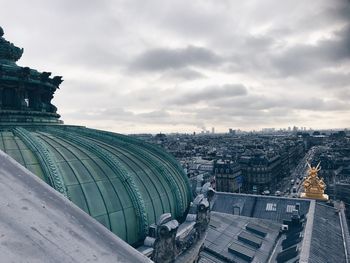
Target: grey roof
[
  {"x": 257, "y": 206},
  {"x": 321, "y": 238},
  {"x": 37, "y": 224},
  {"x": 327, "y": 242},
  {"x": 225, "y": 236}
]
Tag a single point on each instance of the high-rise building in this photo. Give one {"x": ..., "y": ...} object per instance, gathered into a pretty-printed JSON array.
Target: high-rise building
[{"x": 232, "y": 131}]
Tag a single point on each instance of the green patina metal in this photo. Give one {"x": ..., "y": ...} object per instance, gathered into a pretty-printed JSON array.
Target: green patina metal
[
  {"x": 159, "y": 167},
  {"x": 50, "y": 169},
  {"x": 150, "y": 147},
  {"x": 120, "y": 170},
  {"x": 180, "y": 206}
]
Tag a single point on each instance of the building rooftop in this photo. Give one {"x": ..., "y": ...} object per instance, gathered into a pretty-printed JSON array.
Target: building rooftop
[
  {"x": 317, "y": 231},
  {"x": 328, "y": 238},
  {"x": 273, "y": 208},
  {"x": 229, "y": 239}
]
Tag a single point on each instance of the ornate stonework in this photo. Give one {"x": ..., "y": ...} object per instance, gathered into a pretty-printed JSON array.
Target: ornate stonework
[
  {"x": 171, "y": 242},
  {"x": 314, "y": 186},
  {"x": 8, "y": 50},
  {"x": 25, "y": 94}
]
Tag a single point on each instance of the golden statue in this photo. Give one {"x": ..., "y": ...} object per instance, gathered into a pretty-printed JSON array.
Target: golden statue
[{"x": 314, "y": 186}]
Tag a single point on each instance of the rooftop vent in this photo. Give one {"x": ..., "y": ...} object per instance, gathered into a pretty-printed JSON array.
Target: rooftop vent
[
  {"x": 250, "y": 239},
  {"x": 256, "y": 229},
  {"x": 242, "y": 251}
]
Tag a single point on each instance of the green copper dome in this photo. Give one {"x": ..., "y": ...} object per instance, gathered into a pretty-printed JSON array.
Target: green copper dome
[{"x": 124, "y": 183}]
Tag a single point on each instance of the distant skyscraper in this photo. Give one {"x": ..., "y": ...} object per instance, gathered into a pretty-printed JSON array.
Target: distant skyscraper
[
  {"x": 213, "y": 130},
  {"x": 231, "y": 131}
]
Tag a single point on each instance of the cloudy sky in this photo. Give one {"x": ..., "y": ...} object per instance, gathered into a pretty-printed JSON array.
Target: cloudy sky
[{"x": 166, "y": 66}]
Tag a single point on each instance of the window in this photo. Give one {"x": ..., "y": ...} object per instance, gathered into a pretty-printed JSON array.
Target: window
[
  {"x": 290, "y": 208},
  {"x": 271, "y": 207}
]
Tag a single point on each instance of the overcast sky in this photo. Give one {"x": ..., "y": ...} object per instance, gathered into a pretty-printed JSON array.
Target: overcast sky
[{"x": 167, "y": 66}]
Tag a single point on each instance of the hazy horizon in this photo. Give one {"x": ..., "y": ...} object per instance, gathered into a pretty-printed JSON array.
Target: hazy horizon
[{"x": 179, "y": 66}]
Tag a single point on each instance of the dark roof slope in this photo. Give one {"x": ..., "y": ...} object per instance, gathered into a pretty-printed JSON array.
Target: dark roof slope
[
  {"x": 325, "y": 237},
  {"x": 327, "y": 241},
  {"x": 230, "y": 239}
]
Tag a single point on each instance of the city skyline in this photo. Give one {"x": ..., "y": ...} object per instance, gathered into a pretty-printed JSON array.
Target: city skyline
[
  {"x": 262, "y": 130},
  {"x": 166, "y": 66}
]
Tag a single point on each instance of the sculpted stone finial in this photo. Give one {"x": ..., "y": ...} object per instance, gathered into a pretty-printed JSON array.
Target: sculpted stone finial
[{"x": 9, "y": 51}]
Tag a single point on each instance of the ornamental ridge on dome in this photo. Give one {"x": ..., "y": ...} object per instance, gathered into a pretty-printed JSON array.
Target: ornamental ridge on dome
[{"x": 9, "y": 51}]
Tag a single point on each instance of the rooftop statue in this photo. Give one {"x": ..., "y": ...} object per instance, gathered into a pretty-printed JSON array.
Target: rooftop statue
[{"x": 314, "y": 186}]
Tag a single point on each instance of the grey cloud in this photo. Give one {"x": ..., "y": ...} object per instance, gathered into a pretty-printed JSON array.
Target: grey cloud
[
  {"x": 186, "y": 18},
  {"x": 182, "y": 74},
  {"x": 319, "y": 104},
  {"x": 160, "y": 59},
  {"x": 119, "y": 114},
  {"x": 258, "y": 43},
  {"x": 210, "y": 93},
  {"x": 251, "y": 115},
  {"x": 249, "y": 102},
  {"x": 330, "y": 80},
  {"x": 303, "y": 59},
  {"x": 269, "y": 55},
  {"x": 242, "y": 116},
  {"x": 95, "y": 57},
  {"x": 259, "y": 103},
  {"x": 100, "y": 114},
  {"x": 81, "y": 86},
  {"x": 323, "y": 15},
  {"x": 158, "y": 114},
  {"x": 338, "y": 10},
  {"x": 343, "y": 94}
]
